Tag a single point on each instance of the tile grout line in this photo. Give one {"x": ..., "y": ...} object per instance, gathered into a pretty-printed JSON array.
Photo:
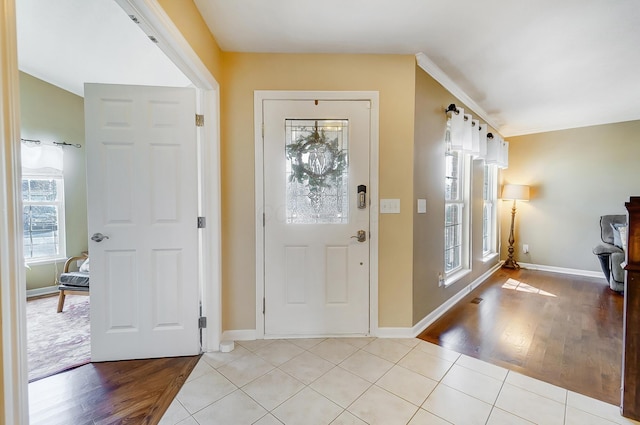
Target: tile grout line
[
  {"x": 493, "y": 406},
  {"x": 308, "y": 386},
  {"x": 358, "y": 349},
  {"x": 566, "y": 405}
]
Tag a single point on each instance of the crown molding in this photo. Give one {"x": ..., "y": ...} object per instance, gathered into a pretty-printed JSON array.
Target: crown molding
[
  {"x": 562, "y": 127},
  {"x": 439, "y": 75}
]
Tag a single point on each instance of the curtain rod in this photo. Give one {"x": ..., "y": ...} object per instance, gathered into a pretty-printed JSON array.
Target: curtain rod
[{"x": 38, "y": 142}]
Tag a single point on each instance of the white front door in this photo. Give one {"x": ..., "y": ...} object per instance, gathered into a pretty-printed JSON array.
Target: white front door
[
  {"x": 142, "y": 196},
  {"x": 316, "y": 175}
]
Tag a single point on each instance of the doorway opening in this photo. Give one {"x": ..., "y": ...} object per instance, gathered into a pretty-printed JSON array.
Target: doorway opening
[{"x": 179, "y": 51}]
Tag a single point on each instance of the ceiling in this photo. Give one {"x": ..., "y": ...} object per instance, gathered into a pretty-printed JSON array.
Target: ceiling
[
  {"x": 526, "y": 66},
  {"x": 70, "y": 42}
]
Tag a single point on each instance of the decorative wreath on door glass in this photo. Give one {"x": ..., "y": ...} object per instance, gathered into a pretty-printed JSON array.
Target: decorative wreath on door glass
[{"x": 316, "y": 161}]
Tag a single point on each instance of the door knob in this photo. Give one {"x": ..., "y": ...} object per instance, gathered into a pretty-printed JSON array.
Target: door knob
[
  {"x": 99, "y": 237},
  {"x": 361, "y": 236}
]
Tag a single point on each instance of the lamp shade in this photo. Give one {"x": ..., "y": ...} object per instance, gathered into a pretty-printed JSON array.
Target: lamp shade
[{"x": 515, "y": 191}]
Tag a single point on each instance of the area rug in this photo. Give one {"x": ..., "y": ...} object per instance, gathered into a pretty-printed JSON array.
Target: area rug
[{"x": 57, "y": 341}]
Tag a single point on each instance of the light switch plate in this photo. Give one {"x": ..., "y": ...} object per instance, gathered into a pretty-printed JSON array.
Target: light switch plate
[
  {"x": 422, "y": 206},
  {"x": 389, "y": 206}
]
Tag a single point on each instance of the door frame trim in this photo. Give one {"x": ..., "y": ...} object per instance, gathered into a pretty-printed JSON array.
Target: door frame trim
[
  {"x": 14, "y": 408},
  {"x": 373, "y": 96}
]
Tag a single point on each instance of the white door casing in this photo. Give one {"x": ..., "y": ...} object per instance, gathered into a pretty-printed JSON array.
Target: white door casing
[
  {"x": 142, "y": 194},
  {"x": 316, "y": 275}
]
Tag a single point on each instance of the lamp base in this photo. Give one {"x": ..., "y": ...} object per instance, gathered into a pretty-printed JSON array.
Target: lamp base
[{"x": 510, "y": 263}]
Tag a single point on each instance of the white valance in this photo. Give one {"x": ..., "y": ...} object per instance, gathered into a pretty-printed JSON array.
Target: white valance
[
  {"x": 41, "y": 159},
  {"x": 456, "y": 121},
  {"x": 497, "y": 151},
  {"x": 482, "y": 140},
  {"x": 475, "y": 138},
  {"x": 471, "y": 136},
  {"x": 467, "y": 134}
]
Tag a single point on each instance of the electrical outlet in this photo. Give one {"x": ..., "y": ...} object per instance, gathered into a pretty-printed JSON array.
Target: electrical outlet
[{"x": 525, "y": 248}]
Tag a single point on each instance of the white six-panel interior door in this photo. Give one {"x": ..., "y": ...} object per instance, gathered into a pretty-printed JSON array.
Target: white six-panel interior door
[
  {"x": 316, "y": 270},
  {"x": 142, "y": 196}
]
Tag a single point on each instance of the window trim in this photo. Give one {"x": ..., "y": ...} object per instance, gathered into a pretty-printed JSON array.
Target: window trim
[{"x": 60, "y": 204}]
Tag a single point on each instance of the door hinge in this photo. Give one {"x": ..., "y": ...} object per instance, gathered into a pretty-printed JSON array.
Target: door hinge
[
  {"x": 264, "y": 219},
  {"x": 202, "y": 222},
  {"x": 199, "y": 120},
  {"x": 202, "y": 322},
  {"x": 262, "y": 130},
  {"x": 264, "y": 305}
]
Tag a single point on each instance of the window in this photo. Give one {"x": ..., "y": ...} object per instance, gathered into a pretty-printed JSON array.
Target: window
[
  {"x": 456, "y": 222},
  {"x": 489, "y": 216},
  {"x": 452, "y": 213},
  {"x": 43, "y": 215},
  {"x": 43, "y": 203}
]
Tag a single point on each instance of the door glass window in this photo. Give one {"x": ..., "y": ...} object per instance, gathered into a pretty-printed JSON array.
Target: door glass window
[{"x": 317, "y": 171}]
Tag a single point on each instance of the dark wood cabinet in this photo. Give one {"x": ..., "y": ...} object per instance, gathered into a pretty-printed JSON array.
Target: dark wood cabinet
[{"x": 631, "y": 323}]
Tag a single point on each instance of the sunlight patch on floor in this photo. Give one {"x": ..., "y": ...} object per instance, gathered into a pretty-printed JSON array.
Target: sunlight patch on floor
[{"x": 516, "y": 285}]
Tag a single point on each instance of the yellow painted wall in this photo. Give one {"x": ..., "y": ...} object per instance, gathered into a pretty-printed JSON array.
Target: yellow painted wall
[
  {"x": 239, "y": 75},
  {"x": 50, "y": 113},
  {"x": 187, "y": 18},
  {"x": 431, "y": 99},
  {"x": 393, "y": 77},
  {"x": 406, "y": 292},
  {"x": 576, "y": 176}
]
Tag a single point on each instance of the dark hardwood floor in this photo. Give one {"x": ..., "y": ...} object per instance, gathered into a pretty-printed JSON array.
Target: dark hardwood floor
[
  {"x": 125, "y": 392},
  {"x": 561, "y": 329}
]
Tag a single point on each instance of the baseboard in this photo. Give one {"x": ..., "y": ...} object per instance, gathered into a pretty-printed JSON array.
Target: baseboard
[
  {"x": 42, "y": 291},
  {"x": 391, "y": 332},
  {"x": 386, "y": 332},
  {"x": 239, "y": 335},
  {"x": 418, "y": 328},
  {"x": 438, "y": 312},
  {"x": 563, "y": 270}
]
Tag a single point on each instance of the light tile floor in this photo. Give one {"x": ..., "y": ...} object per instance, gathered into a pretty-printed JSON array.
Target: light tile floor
[{"x": 356, "y": 381}]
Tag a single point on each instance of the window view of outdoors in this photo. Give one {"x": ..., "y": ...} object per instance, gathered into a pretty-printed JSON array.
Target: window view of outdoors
[{"x": 41, "y": 199}]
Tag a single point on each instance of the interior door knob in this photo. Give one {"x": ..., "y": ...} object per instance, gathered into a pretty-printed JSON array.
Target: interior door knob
[{"x": 99, "y": 237}]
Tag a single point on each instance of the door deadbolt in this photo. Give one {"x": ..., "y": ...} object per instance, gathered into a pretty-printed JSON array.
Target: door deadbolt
[{"x": 362, "y": 197}]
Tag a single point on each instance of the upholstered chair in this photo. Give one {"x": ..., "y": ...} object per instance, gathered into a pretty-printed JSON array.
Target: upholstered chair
[{"x": 613, "y": 232}]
